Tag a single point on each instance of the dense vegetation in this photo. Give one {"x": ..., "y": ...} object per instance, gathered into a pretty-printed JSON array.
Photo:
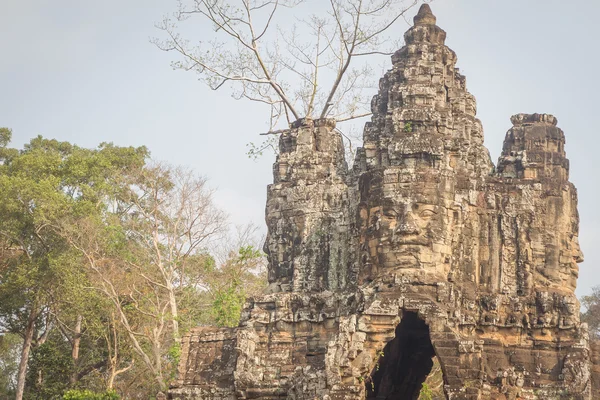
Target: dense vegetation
[{"x": 107, "y": 259}]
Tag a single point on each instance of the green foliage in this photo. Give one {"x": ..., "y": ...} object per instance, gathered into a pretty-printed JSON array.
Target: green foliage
[
  {"x": 408, "y": 127},
  {"x": 380, "y": 355},
  {"x": 255, "y": 151},
  {"x": 227, "y": 305},
  {"x": 433, "y": 387},
  {"x": 10, "y": 346},
  {"x": 50, "y": 367},
  {"x": 425, "y": 393},
  {"x": 5, "y": 136},
  {"x": 591, "y": 316},
  {"x": 232, "y": 283},
  {"x": 174, "y": 355},
  {"x": 89, "y": 395},
  {"x": 195, "y": 304},
  {"x": 248, "y": 253}
]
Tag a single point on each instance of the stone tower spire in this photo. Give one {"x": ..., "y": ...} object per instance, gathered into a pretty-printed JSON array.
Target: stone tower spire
[
  {"x": 424, "y": 16},
  {"x": 423, "y": 105}
]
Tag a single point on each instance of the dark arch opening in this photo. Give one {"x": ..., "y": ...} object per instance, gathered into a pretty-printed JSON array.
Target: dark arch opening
[{"x": 405, "y": 362}]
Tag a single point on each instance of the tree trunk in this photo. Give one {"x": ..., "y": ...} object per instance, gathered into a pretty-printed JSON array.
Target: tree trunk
[
  {"x": 158, "y": 360},
  {"x": 28, "y": 339},
  {"x": 113, "y": 354},
  {"x": 75, "y": 349},
  {"x": 174, "y": 312},
  {"x": 112, "y": 375}
]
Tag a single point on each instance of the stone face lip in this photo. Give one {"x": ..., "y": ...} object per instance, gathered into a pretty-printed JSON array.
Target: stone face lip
[
  {"x": 524, "y": 119},
  {"x": 424, "y": 16}
]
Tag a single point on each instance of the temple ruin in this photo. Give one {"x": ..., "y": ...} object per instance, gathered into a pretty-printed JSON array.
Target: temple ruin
[{"x": 424, "y": 248}]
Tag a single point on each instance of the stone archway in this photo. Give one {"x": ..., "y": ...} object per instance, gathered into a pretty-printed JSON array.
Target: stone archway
[{"x": 405, "y": 363}]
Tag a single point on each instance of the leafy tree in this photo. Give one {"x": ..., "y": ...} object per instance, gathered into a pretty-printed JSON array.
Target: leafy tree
[
  {"x": 40, "y": 186},
  {"x": 105, "y": 261},
  {"x": 591, "y": 315},
  {"x": 144, "y": 256},
  {"x": 238, "y": 278}
]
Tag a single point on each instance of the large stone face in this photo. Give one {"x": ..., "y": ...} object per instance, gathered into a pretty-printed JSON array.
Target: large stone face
[{"x": 423, "y": 249}]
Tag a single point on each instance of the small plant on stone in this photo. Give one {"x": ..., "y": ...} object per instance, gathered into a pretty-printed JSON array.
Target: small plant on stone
[
  {"x": 408, "y": 127},
  {"x": 426, "y": 392},
  {"x": 380, "y": 355}
]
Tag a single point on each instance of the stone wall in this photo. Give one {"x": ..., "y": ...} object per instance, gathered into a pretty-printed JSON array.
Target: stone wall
[{"x": 423, "y": 249}]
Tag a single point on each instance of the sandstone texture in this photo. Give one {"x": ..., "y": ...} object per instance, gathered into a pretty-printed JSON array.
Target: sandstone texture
[{"x": 424, "y": 248}]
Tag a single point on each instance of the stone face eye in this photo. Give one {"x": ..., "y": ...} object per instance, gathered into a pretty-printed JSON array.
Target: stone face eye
[
  {"x": 427, "y": 213},
  {"x": 390, "y": 213}
]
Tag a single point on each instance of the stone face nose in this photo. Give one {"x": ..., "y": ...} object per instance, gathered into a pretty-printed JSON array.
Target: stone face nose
[
  {"x": 407, "y": 225},
  {"x": 424, "y": 16}
]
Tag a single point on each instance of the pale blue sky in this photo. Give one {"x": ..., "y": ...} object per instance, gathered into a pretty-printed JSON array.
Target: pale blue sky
[{"x": 85, "y": 71}]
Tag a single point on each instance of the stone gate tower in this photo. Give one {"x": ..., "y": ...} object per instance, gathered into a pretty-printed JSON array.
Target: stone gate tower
[{"x": 423, "y": 249}]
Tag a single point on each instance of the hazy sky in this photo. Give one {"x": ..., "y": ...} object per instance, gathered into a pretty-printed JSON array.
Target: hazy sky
[{"x": 85, "y": 72}]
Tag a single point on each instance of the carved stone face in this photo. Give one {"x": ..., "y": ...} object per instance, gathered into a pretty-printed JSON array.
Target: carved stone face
[
  {"x": 544, "y": 302},
  {"x": 408, "y": 221},
  {"x": 570, "y": 305},
  {"x": 406, "y": 231},
  {"x": 573, "y": 267}
]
